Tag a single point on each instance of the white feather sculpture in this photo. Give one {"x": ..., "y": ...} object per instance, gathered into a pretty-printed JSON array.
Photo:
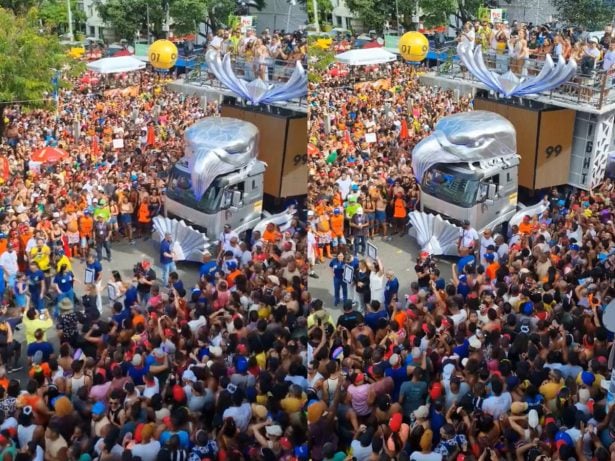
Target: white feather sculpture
[
  {"x": 434, "y": 234},
  {"x": 191, "y": 242}
]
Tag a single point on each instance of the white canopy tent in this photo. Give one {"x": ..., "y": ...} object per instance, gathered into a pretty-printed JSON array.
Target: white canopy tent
[
  {"x": 365, "y": 57},
  {"x": 116, "y": 65}
]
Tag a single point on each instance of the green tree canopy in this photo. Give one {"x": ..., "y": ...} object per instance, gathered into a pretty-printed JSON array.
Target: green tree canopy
[
  {"x": 18, "y": 6},
  {"x": 128, "y": 17},
  {"x": 325, "y": 8},
  {"x": 374, "y": 13},
  {"x": 591, "y": 14},
  {"x": 54, "y": 15},
  {"x": 29, "y": 60}
]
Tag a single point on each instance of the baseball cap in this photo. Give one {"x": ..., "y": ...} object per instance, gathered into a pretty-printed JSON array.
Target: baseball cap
[{"x": 98, "y": 408}]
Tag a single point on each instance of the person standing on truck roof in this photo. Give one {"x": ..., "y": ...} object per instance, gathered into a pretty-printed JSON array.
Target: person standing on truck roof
[{"x": 468, "y": 239}]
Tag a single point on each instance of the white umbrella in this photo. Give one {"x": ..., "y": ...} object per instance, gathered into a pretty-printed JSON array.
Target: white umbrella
[
  {"x": 116, "y": 65},
  {"x": 365, "y": 57}
]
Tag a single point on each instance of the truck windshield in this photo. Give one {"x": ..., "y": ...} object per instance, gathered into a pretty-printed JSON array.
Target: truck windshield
[
  {"x": 451, "y": 187},
  {"x": 179, "y": 189}
]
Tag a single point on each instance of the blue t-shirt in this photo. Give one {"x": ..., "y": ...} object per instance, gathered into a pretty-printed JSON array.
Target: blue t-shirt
[
  {"x": 2, "y": 282},
  {"x": 137, "y": 374},
  {"x": 45, "y": 347},
  {"x": 436, "y": 420},
  {"x": 338, "y": 268},
  {"x": 165, "y": 247},
  {"x": 179, "y": 285},
  {"x": 184, "y": 438},
  {"x": 391, "y": 288},
  {"x": 35, "y": 280},
  {"x": 130, "y": 297},
  {"x": 371, "y": 319},
  {"x": 208, "y": 269},
  {"x": 64, "y": 281},
  {"x": 121, "y": 316},
  {"x": 96, "y": 267},
  {"x": 469, "y": 259},
  {"x": 462, "y": 350},
  {"x": 399, "y": 376}
]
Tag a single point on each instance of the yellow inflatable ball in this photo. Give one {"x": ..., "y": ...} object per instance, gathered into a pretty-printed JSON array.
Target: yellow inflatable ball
[
  {"x": 413, "y": 46},
  {"x": 162, "y": 54}
]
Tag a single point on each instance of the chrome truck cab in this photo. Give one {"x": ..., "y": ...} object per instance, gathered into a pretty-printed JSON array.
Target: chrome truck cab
[
  {"x": 483, "y": 192},
  {"x": 468, "y": 169},
  {"x": 219, "y": 181}
]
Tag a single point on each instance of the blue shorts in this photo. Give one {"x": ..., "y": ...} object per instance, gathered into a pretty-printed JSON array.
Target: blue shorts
[
  {"x": 381, "y": 216},
  {"x": 126, "y": 218}
]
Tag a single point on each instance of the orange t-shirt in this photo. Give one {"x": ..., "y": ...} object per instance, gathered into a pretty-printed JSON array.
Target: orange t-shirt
[
  {"x": 86, "y": 226},
  {"x": 337, "y": 225},
  {"x": 143, "y": 213},
  {"x": 400, "y": 318},
  {"x": 230, "y": 279},
  {"x": 491, "y": 270},
  {"x": 271, "y": 236},
  {"x": 44, "y": 367},
  {"x": 525, "y": 228},
  {"x": 399, "y": 208}
]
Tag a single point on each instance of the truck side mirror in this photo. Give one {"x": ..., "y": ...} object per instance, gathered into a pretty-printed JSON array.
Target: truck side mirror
[
  {"x": 236, "y": 198},
  {"x": 492, "y": 191}
]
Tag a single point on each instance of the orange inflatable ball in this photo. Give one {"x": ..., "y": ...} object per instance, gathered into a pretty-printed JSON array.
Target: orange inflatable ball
[
  {"x": 162, "y": 54},
  {"x": 413, "y": 46}
]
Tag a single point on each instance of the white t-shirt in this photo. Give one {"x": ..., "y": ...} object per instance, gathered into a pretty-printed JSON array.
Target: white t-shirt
[
  {"x": 360, "y": 452},
  {"x": 8, "y": 260},
  {"x": 344, "y": 185},
  {"x": 502, "y": 250},
  {"x": 216, "y": 42},
  {"x": 459, "y": 317},
  {"x": 419, "y": 456},
  {"x": 484, "y": 243},
  {"x": 146, "y": 451},
  {"x": 241, "y": 415},
  {"x": 151, "y": 391},
  {"x": 497, "y": 405},
  {"x": 468, "y": 236}
]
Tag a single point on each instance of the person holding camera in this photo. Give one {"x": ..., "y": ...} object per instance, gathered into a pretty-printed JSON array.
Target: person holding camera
[
  {"x": 423, "y": 270},
  {"x": 145, "y": 277}
]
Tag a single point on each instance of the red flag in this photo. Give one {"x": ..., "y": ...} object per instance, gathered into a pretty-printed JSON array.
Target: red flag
[
  {"x": 4, "y": 168},
  {"x": 348, "y": 140},
  {"x": 95, "y": 148},
  {"x": 151, "y": 136},
  {"x": 403, "y": 133}
]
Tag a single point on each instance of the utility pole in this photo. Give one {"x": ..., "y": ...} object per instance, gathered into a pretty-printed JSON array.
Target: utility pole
[
  {"x": 167, "y": 20},
  {"x": 71, "y": 36},
  {"x": 315, "y": 8},
  {"x": 148, "y": 26}
]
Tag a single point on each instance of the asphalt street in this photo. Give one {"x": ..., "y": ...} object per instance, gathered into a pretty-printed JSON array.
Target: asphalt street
[
  {"x": 124, "y": 257},
  {"x": 399, "y": 255}
]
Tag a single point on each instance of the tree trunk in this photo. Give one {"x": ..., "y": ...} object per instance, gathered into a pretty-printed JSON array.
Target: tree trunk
[{"x": 2, "y": 126}]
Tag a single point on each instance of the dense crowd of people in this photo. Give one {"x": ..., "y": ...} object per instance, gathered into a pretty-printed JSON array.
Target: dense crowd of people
[
  {"x": 268, "y": 55},
  {"x": 521, "y": 42},
  {"x": 145, "y": 365},
  {"x": 509, "y": 359}
]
